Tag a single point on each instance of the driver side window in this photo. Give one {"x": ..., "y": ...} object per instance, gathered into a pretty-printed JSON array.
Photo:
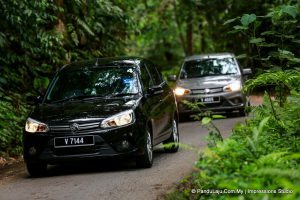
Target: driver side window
[
  {"x": 155, "y": 75},
  {"x": 146, "y": 78}
]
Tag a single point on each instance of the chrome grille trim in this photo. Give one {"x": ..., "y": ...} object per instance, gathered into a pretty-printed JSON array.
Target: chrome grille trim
[
  {"x": 211, "y": 91},
  {"x": 66, "y": 128},
  {"x": 90, "y": 124}
]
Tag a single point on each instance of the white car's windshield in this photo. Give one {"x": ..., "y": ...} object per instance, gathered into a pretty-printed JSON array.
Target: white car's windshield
[{"x": 208, "y": 67}]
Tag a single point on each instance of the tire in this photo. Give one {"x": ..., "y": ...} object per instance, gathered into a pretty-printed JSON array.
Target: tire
[
  {"x": 146, "y": 160},
  {"x": 36, "y": 169},
  {"x": 173, "y": 142}
]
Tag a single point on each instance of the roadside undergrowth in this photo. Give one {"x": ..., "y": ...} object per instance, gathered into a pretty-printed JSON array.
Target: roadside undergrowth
[{"x": 260, "y": 160}]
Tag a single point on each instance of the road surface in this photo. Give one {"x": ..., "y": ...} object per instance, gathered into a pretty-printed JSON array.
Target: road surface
[{"x": 111, "y": 179}]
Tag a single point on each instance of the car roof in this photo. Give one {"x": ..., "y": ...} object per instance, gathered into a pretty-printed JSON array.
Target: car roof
[
  {"x": 209, "y": 55},
  {"x": 100, "y": 62}
]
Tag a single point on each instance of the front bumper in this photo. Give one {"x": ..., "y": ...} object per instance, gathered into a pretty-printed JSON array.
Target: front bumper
[
  {"x": 228, "y": 101},
  {"x": 107, "y": 143}
]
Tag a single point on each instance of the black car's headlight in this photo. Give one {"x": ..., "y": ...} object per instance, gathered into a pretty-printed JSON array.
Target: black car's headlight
[
  {"x": 34, "y": 126},
  {"x": 120, "y": 119}
]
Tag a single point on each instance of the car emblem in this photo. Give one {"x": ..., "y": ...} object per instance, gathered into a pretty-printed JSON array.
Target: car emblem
[
  {"x": 207, "y": 91},
  {"x": 74, "y": 127}
]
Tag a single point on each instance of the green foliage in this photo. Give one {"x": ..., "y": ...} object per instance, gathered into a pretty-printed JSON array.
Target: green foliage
[
  {"x": 94, "y": 28},
  {"x": 262, "y": 154},
  {"x": 38, "y": 37},
  {"x": 12, "y": 119},
  {"x": 271, "y": 37},
  {"x": 283, "y": 81},
  {"x": 206, "y": 119},
  {"x": 286, "y": 80},
  {"x": 247, "y": 19}
]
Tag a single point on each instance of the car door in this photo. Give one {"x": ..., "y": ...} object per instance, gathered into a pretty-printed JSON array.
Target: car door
[{"x": 163, "y": 109}]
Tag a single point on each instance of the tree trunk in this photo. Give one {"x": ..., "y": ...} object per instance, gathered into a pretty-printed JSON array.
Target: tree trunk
[
  {"x": 189, "y": 37},
  {"x": 189, "y": 34},
  {"x": 178, "y": 24},
  {"x": 60, "y": 26}
]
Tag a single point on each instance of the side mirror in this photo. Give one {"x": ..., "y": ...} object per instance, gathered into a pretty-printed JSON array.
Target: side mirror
[
  {"x": 172, "y": 78},
  {"x": 247, "y": 71},
  {"x": 32, "y": 100},
  {"x": 155, "y": 90}
]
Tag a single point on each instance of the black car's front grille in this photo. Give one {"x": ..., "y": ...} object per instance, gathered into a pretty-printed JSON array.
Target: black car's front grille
[
  {"x": 103, "y": 148},
  {"x": 207, "y": 90},
  {"x": 74, "y": 127}
]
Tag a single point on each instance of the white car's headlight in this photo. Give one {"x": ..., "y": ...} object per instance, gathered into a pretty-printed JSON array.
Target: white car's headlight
[
  {"x": 33, "y": 126},
  {"x": 233, "y": 87},
  {"x": 120, "y": 119},
  {"x": 179, "y": 91}
]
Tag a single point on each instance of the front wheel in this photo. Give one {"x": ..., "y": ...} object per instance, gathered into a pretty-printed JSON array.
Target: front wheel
[
  {"x": 146, "y": 160},
  {"x": 171, "y": 145},
  {"x": 36, "y": 169}
]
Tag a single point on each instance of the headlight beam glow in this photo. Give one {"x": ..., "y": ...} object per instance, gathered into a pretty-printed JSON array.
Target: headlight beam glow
[
  {"x": 233, "y": 87},
  {"x": 179, "y": 91}
]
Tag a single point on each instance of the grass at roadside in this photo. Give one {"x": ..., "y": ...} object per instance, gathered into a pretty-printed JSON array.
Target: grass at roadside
[{"x": 260, "y": 160}]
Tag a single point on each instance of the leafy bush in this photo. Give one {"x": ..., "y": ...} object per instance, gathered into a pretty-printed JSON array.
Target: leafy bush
[
  {"x": 262, "y": 154},
  {"x": 12, "y": 118},
  {"x": 272, "y": 37}
]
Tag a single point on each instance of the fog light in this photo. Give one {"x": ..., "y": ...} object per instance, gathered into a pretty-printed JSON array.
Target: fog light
[
  {"x": 122, "y": 146},
  {"x": 32, "y": 151},
  {"x": 125, "y": 144}
]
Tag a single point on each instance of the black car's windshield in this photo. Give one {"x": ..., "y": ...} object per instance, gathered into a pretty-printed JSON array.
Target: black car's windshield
[
  {"x": 208, "y": 67},
  {"x": 93, "y": 83}
]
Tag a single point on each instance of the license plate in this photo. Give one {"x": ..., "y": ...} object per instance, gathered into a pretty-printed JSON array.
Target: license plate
[
  {"x": 74, "y": 141},
  {"x": 210, "y": 100}
]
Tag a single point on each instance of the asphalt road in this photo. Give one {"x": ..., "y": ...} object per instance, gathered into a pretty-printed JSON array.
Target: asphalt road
[{"x": 111, "y": 179}]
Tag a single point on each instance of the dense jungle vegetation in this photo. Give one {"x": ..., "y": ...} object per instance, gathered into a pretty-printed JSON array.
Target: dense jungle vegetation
[
  {"x": 260, "y": 160},
  {"x": 39, "y": 37}
]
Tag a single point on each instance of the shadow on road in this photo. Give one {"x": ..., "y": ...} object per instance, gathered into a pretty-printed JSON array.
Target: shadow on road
[{"x": 97, "y": 166}]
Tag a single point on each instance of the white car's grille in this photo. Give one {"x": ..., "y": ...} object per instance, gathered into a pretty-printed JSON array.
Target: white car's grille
[{"x": 207, "y": 90}]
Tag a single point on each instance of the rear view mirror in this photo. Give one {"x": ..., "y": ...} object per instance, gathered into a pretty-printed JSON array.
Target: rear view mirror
[
  {"x": 172, "y": 78},
  {"x": 247, "y": 71},
  {"x": 155, "y": 90}
]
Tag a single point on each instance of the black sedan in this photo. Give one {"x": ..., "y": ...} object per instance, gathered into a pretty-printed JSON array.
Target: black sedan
[{"x": 101, "y": 108}]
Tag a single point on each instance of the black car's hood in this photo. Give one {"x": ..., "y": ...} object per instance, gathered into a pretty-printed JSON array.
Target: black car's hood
[
  {"x": 207, "y": 82},
  {"x": 80, "y": 110}
]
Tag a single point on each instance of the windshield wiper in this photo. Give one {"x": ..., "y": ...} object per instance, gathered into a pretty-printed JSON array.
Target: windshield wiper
[
  {"x": 123, "y": 94},
  {"x": 91, "y": 97},
  {"x": 82, "y": 97}
]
